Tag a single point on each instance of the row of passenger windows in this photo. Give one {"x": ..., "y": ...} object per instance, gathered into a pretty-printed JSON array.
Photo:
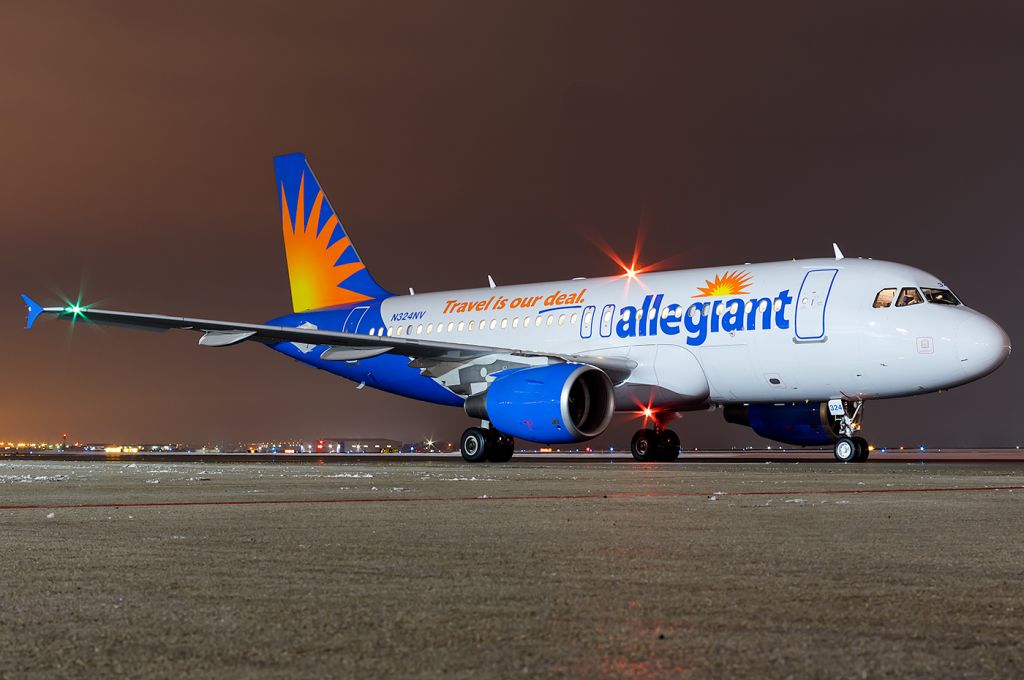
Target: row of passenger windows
[
  {"x": 482, "y": 325},
  {"x": 913, "y": 296}
]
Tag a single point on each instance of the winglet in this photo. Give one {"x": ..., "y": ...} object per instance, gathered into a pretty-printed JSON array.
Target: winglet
[
  {"x": 839, "y": 253},
  {"x": 34, "y": 310}
]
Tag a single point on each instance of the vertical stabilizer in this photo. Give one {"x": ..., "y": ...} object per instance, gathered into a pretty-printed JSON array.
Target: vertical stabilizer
[{"x": 323, "y": 266}]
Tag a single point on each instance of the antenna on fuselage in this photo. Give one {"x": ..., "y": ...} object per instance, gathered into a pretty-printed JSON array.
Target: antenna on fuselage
[
  {"x": 839, "y": 253},
  {"x": 490, "y": 281}
]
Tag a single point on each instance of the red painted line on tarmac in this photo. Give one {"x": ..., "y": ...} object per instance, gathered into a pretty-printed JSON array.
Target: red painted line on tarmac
[{"x": 464, "y": 499}]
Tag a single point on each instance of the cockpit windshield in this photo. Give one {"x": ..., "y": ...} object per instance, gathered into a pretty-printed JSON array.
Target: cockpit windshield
[
  {"x": 940, "y": 296},
  {"x": 909, "y": 296},
  {"x": 884, "y": 298},
  {"x": 912, "y": 296}
]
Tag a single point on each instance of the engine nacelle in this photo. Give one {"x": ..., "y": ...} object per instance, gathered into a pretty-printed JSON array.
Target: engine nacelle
[
  {"x": 800, "y": 424},
  {"x": 552, "y": 404}
]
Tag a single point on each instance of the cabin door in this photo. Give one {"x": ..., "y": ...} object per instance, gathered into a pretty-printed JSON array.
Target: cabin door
[
  {"x": 811, "y": 303},
  {"x": 354, "y": 317}
]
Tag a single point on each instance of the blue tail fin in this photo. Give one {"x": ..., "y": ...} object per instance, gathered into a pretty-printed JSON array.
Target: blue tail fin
[{"x": 323, "y": 266}]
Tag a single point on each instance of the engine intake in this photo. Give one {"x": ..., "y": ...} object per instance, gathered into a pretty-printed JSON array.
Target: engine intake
[
  {"x": 800, "y": 424},
  {"x": 552, "y": 404}
]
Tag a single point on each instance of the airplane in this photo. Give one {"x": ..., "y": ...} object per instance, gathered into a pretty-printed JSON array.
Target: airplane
[{"x": 792, "y": 350}]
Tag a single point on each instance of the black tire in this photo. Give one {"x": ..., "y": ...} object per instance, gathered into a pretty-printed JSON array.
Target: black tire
[
  {"x": 644, "y": 446},
  {"x": 501, "y": 448},
  {"x": 845, "y": 450},
  {"x": 668, "y": 446},
  {"x": 863, "y": 449},
  {"x": 474, "y": 445}
]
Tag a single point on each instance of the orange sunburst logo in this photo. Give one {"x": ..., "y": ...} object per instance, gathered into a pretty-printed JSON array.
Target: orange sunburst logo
[
  {"x": 313, "y": 275},
  {"x": 730, "y": 283}
]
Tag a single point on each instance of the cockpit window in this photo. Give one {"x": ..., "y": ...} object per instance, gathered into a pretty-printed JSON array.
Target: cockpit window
[
  {"x": 909, "y": 296},
  {"x": 940, "y": 296},
  {"x": 884, "y": 298}
]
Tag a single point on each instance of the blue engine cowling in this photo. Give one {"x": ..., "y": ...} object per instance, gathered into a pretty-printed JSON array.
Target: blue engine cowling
[
  {"x": 800, "y": 424},
  {"x": 552, "y": 404}
]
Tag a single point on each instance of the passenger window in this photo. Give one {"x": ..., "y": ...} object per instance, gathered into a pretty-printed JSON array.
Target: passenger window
[
  {"x": 462, "y": 326},
  {"x": 504, "y": 324},
  {"x": 472, "y": 325},
  {"x": 909, "y": 296},
  {"x": 494, "y": 323},
  {"x": 884, "y": 298},
  {"x": 940, "y": 296},
  {"x": 451, "y": 325}
]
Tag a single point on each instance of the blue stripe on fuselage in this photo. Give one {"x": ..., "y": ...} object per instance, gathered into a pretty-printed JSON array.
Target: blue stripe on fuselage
[{"x": 388, "y": 372}]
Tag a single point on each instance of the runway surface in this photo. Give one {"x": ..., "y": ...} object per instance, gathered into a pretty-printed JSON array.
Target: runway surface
[
  {"x": 687, "y": 456},
  {"x": 426, "y": 568}
]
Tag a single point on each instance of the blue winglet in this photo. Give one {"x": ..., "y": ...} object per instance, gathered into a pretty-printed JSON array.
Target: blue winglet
[{"x": 34, "y": 310}]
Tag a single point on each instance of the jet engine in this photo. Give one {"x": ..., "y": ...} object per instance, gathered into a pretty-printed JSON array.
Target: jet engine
[
  {"x": 801, "y": 424},
  {"x": 553, "y": 404}
]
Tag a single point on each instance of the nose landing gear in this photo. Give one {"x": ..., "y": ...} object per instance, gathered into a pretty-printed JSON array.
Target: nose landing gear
[{"x": 849, "y": 448}]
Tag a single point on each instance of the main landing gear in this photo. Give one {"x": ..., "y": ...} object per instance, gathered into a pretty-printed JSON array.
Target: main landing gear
[
  {"x": 484, "y": 443},
  {"x": 655, "y": 444},
  {"x": 849, "y": 448}
]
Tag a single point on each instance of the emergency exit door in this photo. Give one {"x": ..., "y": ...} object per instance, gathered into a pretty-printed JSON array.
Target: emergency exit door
[{"x": 811, "y": 304}]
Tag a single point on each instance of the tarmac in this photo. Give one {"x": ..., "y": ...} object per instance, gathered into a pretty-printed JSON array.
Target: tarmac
[{"x": 576, "y": 568}]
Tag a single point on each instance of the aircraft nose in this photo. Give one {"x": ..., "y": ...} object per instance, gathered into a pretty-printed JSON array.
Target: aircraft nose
[{"x": 982, "y": 345}]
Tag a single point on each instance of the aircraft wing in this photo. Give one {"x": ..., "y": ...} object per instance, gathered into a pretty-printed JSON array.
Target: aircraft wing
[{"x": 340, "y": 346}]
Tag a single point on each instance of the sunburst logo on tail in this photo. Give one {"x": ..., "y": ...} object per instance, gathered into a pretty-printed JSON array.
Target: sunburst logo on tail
[
  {"x": 730, "y": 283},
  {"x": 314, "y": 251}
]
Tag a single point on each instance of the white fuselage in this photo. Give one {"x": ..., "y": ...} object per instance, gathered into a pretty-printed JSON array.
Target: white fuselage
[{"x": 773, "y": 332}]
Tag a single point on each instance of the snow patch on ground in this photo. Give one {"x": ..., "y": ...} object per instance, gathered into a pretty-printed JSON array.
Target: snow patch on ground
[{"x": 26, "y": 479}]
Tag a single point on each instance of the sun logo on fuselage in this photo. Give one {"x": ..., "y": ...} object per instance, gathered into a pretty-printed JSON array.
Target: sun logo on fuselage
[
  {"x": 724, "y": 285},
  {"x": 314, "y": 253}
]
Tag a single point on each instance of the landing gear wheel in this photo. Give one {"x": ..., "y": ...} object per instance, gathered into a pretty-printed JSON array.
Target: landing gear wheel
[
  {"x": 668, "y": 446},
  {"x": 474, "y": 445},
  {"x": 863, "y": 449},
  {"x": 644, "y": 445},
  {"x": 500, "y": 447},
  {"x": 845, "y": 450}
]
